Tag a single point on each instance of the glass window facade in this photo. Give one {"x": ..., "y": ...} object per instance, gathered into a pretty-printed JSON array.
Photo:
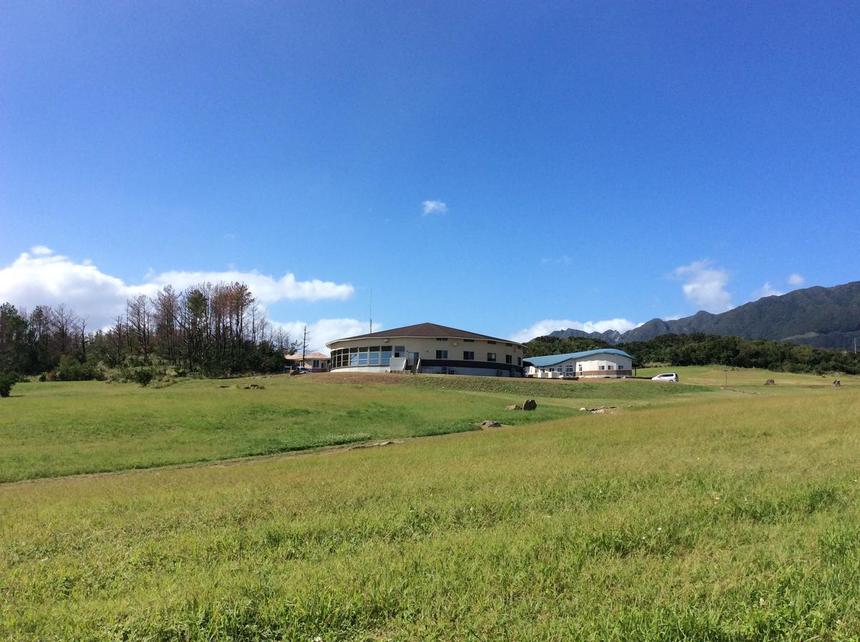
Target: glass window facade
[{"x": 364, "y": 356}]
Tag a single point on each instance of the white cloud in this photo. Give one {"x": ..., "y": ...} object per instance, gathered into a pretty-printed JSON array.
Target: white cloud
[
  {"x": 42, "y": 277},
  {"x": 705, "y": 285},
  {"x": 544, "y": 327},
  {"x": 324, "y": 330},
  {"x": 433, "y": 207},
  {"x": 796, "y": 279},
  {"x": 766, "y": 290},
  {"x": 266, "y": 288}
]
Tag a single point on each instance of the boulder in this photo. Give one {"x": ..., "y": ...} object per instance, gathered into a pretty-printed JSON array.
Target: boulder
[
  {"x": 514, "y": 406},
  {"x": 770, "y": 382},
  {"x": 529, "y": 404},
  {"x": 489, "y": 423},
  {"x": 600, "y": 410}
]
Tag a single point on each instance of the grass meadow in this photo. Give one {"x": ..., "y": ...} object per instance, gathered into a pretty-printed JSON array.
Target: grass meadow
[
  {"x": 51, "y": 429},
  {"x": 691, "y": 513}
]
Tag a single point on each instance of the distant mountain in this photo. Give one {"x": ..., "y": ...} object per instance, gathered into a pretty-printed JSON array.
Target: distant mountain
[
  {"x": 610, "y": 336},
  {"x": 818, "y": 316}
]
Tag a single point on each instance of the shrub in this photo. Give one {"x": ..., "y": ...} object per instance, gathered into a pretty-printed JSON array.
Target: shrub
[
  {"x": 7, "y": 380},
  {"x": 70, "y": 369},
  {"x": 143, "y": 376}
]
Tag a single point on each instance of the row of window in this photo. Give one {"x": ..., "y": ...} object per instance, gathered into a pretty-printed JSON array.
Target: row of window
[
  {"x": 469, "y": 355},
  {"x": 569, "y": 368},
  {"x": 368, "y": 356}
]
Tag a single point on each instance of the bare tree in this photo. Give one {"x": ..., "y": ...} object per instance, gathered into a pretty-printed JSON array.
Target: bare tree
[
  {"x": 166, "y": 313},
  {"x": 138, "y": 315},
  {"x": 63, "y": 321}
]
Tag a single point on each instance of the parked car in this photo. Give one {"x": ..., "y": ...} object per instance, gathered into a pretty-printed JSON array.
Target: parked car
[
  {"x": 666, "y": 376},
  {"x": 300, "y": 371}
]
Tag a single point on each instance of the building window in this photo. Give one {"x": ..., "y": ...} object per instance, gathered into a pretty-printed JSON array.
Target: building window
[
  {"x": 399, "y": 351},
  {"x": 440, "y": 339},
  {"x": 509, "y": 358},
  {"x": 468, "y": 341},
  {"x": 468, "y": 355},
  {"x": 441, "y": 354},
  {"x": 385, "y": 356},
  {"x": 601, "y": 368},
  {"x": 491, "y": 342},
  {"x": 519, "y": 361},
  {"x": 491, "y": 356}
]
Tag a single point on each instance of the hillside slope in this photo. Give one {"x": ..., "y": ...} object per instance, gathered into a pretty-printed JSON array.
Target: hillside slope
[{"x": 817, "y": 316}]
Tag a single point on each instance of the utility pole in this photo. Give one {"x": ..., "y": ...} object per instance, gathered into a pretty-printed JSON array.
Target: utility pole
[
  {"x": 304, "y": 345},
  {"x": 371, "y": 311}
]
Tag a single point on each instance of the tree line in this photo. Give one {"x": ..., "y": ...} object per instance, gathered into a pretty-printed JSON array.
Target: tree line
[
  {"x": 209, "y": 329},
  {"x": 706, "y": 349}
]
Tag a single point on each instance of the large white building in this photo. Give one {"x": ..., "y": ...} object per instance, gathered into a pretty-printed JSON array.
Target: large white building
[
  {"x": 601, "y": 363},
  {"x": 429, "y": 348}
]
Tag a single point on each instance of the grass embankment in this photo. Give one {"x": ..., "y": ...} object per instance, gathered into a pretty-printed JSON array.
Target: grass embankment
[
  {"x": 722, "y": 517},
  {"x": 50, "y": 429}
]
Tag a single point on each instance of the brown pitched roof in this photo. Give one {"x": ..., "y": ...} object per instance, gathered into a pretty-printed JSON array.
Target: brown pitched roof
[{"x": 425, "y": 330}]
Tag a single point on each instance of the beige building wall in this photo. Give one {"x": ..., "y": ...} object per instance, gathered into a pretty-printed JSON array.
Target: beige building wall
[{"x": 426, "y": 348}]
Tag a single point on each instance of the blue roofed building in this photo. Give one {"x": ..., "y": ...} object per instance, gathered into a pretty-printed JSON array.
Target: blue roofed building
[{"x": 590, "y": 364}]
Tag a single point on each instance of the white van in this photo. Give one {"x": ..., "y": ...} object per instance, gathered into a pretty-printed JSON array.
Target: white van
[{"x": 666, "y": 376}]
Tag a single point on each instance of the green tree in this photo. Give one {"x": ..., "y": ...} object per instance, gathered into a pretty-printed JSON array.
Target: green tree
[{"x": 7, "y": 380}]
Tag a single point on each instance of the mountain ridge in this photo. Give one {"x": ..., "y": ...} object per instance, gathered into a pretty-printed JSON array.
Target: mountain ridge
[{"x": 817, "y": 316}]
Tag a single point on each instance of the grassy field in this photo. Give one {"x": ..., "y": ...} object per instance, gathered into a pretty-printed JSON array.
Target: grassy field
[
  {"x": 50, "y": 429},
  {"x": 697, "y": 514},
  {"x": 747, "y": 377}
]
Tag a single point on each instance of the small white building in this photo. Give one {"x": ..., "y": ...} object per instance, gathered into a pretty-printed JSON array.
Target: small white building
[
  {"x": 601, "y": 363},
  {"x": 313, "y": 361}
]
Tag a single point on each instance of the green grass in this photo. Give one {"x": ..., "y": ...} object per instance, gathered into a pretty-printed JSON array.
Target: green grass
[
  {"x": 50, "y": 429},
  {"x": 726, "y": 516},
  {"x": 719, "y": 376}
]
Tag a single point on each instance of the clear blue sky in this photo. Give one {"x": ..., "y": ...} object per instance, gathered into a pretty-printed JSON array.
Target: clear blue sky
[{"x": 583, "y": 152}]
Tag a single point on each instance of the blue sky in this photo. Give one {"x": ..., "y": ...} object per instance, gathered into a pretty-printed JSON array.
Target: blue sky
[{"x": 580, "y": 162}]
